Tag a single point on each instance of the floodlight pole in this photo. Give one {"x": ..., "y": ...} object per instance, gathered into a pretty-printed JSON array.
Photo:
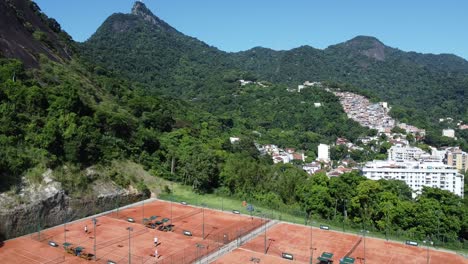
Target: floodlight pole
[
  {"x": 344, "y": 213},
  {"x": 203, "y": 224},
  {"x": 265, "y": 237},
  {"x": 311, "y": 239},
  {"x": 171, "y": 207},
  {"x": 203, "y": 213},
  {"x": 364, "y": 231},
  {"x": 386, "y": 226},
  {"x": 438, "y": 226},
  {"x": 130, "y": 229},
  {"x": 143, "y": 213},
  {"x": 365, "y": 247},
  {"x": 94, "y": 247},
  {"x": 118, "y": 205},
  {"x": 427, "y": 247},
  {"x": 312, "y": 255},
  {"x": 336, "y": 205}
]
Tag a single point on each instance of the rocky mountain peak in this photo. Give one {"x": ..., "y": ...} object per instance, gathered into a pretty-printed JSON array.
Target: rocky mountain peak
[
  {"x": 368, "y": 46},
  {"x": 140, "y": 9}
]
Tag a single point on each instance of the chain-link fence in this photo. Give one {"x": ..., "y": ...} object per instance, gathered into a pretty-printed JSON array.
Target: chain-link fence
[{"x": 338, "y": 222}]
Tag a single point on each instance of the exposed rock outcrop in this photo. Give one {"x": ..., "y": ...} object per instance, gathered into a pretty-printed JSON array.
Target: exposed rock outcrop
[
  {"x": 47, "y": 205},
  {"x": 26, "y": 32}
]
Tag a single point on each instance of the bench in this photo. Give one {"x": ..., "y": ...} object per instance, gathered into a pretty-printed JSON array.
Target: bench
[{"x": 326, "y": 258}]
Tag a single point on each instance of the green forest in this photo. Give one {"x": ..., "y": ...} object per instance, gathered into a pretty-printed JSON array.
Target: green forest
[
  {"x": 174, "y": 115},
  {"x": 421, "y": 88}
]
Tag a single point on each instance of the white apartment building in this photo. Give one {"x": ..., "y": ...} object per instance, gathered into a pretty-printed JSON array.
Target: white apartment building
[
  {"x": 440, "y": 154},
  {"x": 417, "y": 174},
  {"x": 323, "y": 153},
  {"x": 404, "y": 153}
]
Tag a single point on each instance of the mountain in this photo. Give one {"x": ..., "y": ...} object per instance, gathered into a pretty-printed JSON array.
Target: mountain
[
  {"x": 26, "y": 32},
  {"x": 59, "y": 113},
  {"x": 145, "y": 48},
  {"x": 412, "y": 80},
  {"x": 77, "y": 120}
]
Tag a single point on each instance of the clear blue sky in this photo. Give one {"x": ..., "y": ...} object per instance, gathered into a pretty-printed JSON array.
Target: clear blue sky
[{"x": 428, "y": 26}]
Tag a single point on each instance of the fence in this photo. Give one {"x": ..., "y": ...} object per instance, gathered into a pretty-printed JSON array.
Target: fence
[
  {"x": 120, "y": 238},
  {"x": 215, "y": 241},
  {"x": 298, "y": 216}
]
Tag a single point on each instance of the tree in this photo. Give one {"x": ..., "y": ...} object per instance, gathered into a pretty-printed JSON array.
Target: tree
[{"x": 316, "y": 199}]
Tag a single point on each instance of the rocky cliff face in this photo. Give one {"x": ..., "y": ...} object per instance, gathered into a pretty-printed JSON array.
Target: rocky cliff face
[
  {"x": 48, "y": 205},
  {"x": 139, "y": 9},
  {"x": 26, "y": 32}
]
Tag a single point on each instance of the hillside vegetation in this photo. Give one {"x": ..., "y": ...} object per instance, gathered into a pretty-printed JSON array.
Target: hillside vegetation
[
  {"x": 141, "y": 92},
  {"x": 420, "y": 87}
]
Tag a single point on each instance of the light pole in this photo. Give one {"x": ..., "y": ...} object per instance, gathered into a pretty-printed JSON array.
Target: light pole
[
  {"x": 386, "y": 223},
  {"x": 130, "y": 229},
  {"x": 311, "y": 240},
  {"x": 364, "y": 232},
  {"x": 438, "y": 226},
  {"x": 118, "y": 205},
  {"x": 265, "y": 236},
  {"x": 94, "y": 230},
  {"x": 344, "y": 213},
  {"x": 203, "y": 217},
  {"x": 312, "y": 255},
  {"x": 171, "y": 207},
  {"x": 143, "y": 212},
  {"x": 427, "y": 242},
  {"x": 336, "y": 205}
]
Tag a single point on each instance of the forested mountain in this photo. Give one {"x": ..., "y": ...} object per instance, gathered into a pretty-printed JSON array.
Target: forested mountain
[
  {"x": 57, "y": 111},
  {"x": 143, "y": 47},
  {"x": 65, "y": 111},
  {"x": 148, "y": 50},
  {"x": 436, "y": 84}
]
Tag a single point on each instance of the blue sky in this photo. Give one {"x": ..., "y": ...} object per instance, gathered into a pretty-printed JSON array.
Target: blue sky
[{"x": 428, "y": 26}]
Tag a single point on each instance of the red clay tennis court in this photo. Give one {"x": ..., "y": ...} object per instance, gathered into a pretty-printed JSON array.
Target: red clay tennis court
[
  {"x": 222, "y": 227},
  {"x": 296, "y": 241},
  {"x": 113, "y": 236}
]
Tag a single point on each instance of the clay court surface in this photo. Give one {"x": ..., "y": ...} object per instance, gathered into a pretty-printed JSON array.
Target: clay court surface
[
  {"x": 296, "y": 240},
  {"x": 112, "y": 236},
  {"x": 220, "y": 228}
]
